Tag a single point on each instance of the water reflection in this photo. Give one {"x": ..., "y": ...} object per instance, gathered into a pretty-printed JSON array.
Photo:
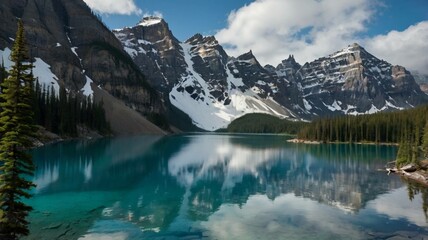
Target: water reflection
[
  {"x": 221, "y": 169},
  {"x": 149, "y": 187},
  {"x": 414, "y": 189},
  {"x": 91, "y": 165}
]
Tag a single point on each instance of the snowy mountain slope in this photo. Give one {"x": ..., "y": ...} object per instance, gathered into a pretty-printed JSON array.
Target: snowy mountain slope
[
  {"x": 193, "y": 95},
  {"x": 352, "y": 81},
  {"x": 212, "y": 88},
  {"x": 197, "y": 76}
]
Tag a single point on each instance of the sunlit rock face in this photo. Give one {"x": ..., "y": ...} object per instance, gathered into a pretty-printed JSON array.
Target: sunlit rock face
[
  {"x": 75, "y": 50},
  {"x": 352, "y": 81},
  {"x": 199, "y": 78}
]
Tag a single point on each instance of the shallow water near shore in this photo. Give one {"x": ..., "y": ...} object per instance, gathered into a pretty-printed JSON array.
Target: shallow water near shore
[{"x": 207, "y": 186}]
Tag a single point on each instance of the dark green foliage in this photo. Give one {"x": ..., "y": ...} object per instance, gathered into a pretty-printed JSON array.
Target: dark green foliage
[
  {"x": 3, "y": 72},
  {"x": 62, "y": 114},
  {"x": 404, "y": 155},
  {"x": 159, "y": 120},
  {"x": 16, "y": 128},
  {"x": 425, "y": 141},
  {"x": 415, "y": 189},
  {"x": 264, "y": 123},
  {"x": 390, "y": 127},
  {"x": 405, "y": 127}
]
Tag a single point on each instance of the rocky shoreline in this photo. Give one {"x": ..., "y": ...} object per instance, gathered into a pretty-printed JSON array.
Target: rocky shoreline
[
  {"x": 412, "y": 172},
  {"x": 45, "y": 137},
  {"x": 296, "y": 140}
]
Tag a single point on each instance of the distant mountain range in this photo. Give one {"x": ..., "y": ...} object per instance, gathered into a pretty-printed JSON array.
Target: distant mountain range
[
  {"x": 199, "y": 78},
  {"x": 144, "y": 70}
]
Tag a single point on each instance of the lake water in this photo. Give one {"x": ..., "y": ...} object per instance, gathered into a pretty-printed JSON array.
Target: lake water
[{"x": 205, "y": 186}]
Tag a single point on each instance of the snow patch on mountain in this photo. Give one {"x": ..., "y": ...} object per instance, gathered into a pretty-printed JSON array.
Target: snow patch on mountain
[
  {"x": 42, "y": 72},
  {"x": 132, "y": 48},
  {"x": 148, "y": 21},
  {"x": 87, "y": 89},
  {"x": 5, "y": 57},
  {"x": 206, "y": 111},
  {"x": 307, "y": 105},
  {"x": 233, "y": 81}
]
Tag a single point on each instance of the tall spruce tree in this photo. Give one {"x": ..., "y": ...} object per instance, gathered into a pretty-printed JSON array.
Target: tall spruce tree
[
  {"x": 425, "y": 141},
  {"x": 3, "y": 73},
  {"x": 16, "y": 127}
]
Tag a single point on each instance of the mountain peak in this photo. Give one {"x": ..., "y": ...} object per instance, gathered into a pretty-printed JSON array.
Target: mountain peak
[
  {"x": 350, "y": 49},
  {"x": 198, "y": 38},
  {"x": 247, "y": 56},
  {"x": 149, "y": 21},
  {"x": 356, "y": 47},
  {"x": 290, "y": 61}
]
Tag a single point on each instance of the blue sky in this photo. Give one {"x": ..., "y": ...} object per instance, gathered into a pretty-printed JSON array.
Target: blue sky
[
  {"x": 394, "y": 30},
  {"x": 185, "y": 17}
]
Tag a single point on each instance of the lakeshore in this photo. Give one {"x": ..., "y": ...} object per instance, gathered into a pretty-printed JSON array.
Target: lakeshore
[{"x": 411, "y": 172}]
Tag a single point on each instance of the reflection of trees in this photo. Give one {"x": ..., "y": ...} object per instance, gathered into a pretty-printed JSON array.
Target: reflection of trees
[
  {"x": 258, "y": 141},
  {"x": 413, "y": 189},
  {"x": 104, "y": 164},
  {"x": 135, "y": 163},
  {"x": 216, "y": 170},
  {"x": 339, "y": 175}
]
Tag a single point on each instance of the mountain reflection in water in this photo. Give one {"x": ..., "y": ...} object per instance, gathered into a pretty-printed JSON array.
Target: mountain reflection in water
[{"x": 207, "y": 184}]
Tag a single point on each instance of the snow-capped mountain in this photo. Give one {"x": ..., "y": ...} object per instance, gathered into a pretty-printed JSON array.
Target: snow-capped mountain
[
  {"x": 73, "y": 49},
  {"x": 352, "y": 81},
  {"x": 199, "y": 78}
]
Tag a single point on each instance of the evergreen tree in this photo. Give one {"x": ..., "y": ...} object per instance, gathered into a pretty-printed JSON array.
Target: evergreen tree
[
  {"x": 404, "y": 155},
  {"x": 3, "y": 73},
  {"x": 16, "y": 126},
  {"x": 425, "y": 141}
]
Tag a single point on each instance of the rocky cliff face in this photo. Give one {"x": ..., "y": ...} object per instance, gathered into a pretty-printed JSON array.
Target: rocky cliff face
[
  {"x": 214, "y": 88},
  {"x": 155, "y": 50},
  {"x": 73, "y": 49},
  {"x": 197, "y": 76},
  {"x": 352, "y": 81}
]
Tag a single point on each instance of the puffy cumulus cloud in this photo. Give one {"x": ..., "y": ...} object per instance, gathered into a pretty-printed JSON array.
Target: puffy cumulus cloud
[
  {"x": 308, "y": 29},
  {"x": 408, "y": 48},
  {"x": 153, "y": 14},
  {"x": 125, "y": 7}
]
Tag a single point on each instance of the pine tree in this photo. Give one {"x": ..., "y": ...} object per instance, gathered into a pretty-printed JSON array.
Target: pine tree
[
  {"x": 425, "y": 140},
  {"x": 403, "y": 154},
  {"x": 16, "y": 126},
  {"x": 3, "y": 73}
]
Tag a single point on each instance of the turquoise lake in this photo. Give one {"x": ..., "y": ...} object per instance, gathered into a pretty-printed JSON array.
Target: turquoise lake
[{"x": 208, "y": 186}]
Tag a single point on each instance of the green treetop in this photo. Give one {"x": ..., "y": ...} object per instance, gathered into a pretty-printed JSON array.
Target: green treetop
[
  {"x": 16, "y": 128},
  {"x": 425, "y": 140}
]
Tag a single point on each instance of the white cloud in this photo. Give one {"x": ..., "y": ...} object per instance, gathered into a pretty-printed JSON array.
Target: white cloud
[
  {"x": 310, "y": 29},
  {"x": 408, "y": 48},
  {"x": 154, "y": 14},
  {"x": 125, "y": 7}
]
